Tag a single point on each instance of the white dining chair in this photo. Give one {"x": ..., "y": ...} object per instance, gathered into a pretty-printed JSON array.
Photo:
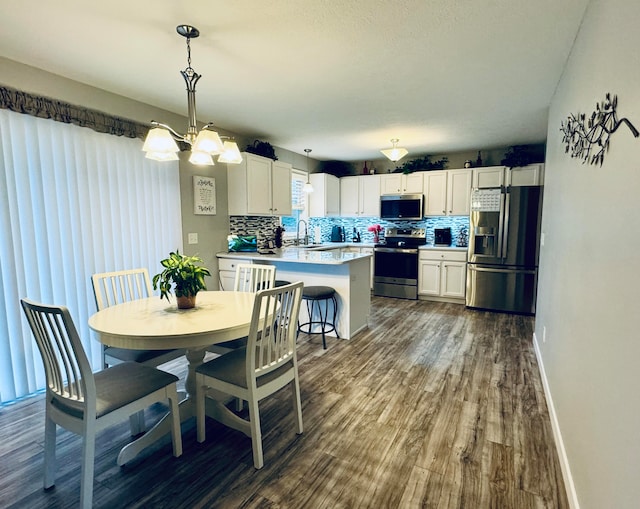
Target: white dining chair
[
  {"x": 267, "y": 364},
  {"x": 250, "y": 277},
  {"x": 111, "y": 288},
  {"x": 84, "y": 402},
  {"x": 116, "y": 287}
]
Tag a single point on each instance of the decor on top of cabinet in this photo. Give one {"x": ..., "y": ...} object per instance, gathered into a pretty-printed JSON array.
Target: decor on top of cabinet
[
  {"x": 185, "y": 273},
  {"x": 518, "y": 156},
  {"x": 579, "y": 137},
  {"x": 422, "y": 164},
  {"x": 262, "y": 148}
]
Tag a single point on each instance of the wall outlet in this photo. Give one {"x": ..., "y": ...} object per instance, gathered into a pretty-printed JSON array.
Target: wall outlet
[
  {"x": 192, "y": 238},
  {"x": 544, "y": 334},
  {"x": 542, "y": 239}
]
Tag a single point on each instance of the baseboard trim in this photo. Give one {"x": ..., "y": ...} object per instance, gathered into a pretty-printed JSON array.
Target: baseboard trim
[{"x": 555, "y": 425}]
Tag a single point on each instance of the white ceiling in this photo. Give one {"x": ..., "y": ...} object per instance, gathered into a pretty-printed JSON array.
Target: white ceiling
[{"x": 341, "y": 77}]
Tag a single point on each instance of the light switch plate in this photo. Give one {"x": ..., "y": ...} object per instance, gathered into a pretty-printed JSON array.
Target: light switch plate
[{"x": 192, "y": 238}]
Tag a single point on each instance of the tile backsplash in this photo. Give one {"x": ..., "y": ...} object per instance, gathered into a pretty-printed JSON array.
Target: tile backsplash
[{"x": 264, "y": 227}]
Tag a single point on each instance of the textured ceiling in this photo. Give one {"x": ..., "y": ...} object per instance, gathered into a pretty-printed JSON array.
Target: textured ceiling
[{"x": 341, "y": 77}]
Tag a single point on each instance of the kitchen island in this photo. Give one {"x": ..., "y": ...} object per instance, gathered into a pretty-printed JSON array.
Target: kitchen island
[{"x": 346, "y": 271}]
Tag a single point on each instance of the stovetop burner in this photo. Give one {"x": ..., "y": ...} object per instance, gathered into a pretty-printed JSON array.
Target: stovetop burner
[{"x": 403, "y": 237}]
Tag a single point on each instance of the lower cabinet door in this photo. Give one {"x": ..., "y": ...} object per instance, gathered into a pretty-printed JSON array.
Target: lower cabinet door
[
  {"x": 454, "y": 279},
  {"x": 429, "y": 278}
]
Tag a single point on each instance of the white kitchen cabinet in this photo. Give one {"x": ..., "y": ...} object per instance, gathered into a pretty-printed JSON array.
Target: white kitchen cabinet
[
  {"x": 442, "y": 274},
  {"x": 227, "y": 272},
  {"x": 491, "y": 176},
  {"x": 325, "y": 199},
  {"x": 530, "y": 175},
  {"x": 447, "y": 192},
  {"x": 497, "y": 176},
  {"x": 360, "y": 196},
  {"x": 398, "y": 183},
  {"x": 259, "y": 186}
]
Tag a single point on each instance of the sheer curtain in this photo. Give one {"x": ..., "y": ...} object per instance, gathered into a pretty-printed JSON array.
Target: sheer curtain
[{"x": 72, "y": 202}]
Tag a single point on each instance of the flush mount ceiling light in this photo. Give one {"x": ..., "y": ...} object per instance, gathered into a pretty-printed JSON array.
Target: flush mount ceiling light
[
  {"x": 395, "y": 153},
  {"x": 160, "y": 144},
  {"x": 307, "y": 188}
]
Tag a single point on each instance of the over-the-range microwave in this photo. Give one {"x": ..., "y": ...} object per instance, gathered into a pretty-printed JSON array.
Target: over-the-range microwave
[{"x": 401, "y": 206}]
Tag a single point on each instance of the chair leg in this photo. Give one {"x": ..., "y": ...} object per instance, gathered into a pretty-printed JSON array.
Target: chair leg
[
  {"x": 88, "y": 460},
  {"x": 176, "y": 431},
  {"x": 297, "y": 404},
  {"x": 323, "y": 321},
  {"x": 200, "y": 395},
  {"x": 49, "y": 453},
  {"x": 136, "y": 423},
  {"x": 256, "y": 433}
]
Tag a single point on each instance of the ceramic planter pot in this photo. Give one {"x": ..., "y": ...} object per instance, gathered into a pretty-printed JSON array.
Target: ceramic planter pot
[{"x": 186, "y": 301}]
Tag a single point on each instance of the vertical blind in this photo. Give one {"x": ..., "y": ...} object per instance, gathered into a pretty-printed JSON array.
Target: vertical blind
[{"x": 73, "y": 202}]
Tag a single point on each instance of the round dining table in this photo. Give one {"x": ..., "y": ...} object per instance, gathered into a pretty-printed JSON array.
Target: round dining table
[{"x": 155, "y": 324}]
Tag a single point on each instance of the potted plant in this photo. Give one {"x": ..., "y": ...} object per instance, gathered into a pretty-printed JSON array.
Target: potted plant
[{"x": 186, "y": 274}]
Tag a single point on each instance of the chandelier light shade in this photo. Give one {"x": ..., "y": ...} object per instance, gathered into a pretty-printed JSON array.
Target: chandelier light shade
[
  {"x": 307, "y": 188},
  {"x": 160, "y": 144},
  {"x": 230, "y": 153},
  {"x": 395, "y": 153}
]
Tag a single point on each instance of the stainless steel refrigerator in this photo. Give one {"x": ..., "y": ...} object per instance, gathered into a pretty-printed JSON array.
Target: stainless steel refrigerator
[{"x": 504, "y": 244}]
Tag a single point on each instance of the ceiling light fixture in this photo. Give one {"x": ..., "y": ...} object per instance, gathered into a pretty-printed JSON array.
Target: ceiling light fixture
[
  {"x": 160, "y": 144},
  {"x": 395, "y": 153},
  {"x": 307, "y": 188}
]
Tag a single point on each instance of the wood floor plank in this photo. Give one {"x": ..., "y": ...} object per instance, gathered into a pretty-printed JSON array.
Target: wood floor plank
[{"x": 433, "y": 405}]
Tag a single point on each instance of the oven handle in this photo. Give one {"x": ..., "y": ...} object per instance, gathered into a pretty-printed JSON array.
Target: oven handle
[{"x": 395, "y": 250}]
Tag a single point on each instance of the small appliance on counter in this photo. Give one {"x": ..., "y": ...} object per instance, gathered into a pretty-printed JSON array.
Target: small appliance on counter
[
  {"x": 442, "y": 236},
  {"x": 337, "y": 234},
  {"x": 242, "y": 243}
]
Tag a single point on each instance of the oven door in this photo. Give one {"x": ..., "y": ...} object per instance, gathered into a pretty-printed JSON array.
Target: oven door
[{"x": 395, "y": 272}]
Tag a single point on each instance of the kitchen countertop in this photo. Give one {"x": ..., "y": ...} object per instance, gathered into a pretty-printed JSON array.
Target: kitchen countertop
[{"x": 325, "y": 254}]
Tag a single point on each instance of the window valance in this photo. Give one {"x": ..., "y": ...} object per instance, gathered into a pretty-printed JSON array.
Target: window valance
[{"x": 44, "y": 107}]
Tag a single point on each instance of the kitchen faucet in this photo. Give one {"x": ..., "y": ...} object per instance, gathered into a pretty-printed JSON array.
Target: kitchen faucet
[{"x": 306, "y": 233}]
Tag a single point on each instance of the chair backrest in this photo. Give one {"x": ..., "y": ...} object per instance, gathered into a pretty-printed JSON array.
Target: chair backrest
[
  {"x": 111, "y": 288},
  {"x": 251, "y": 277},
  {"x": 274, "y": 325},
  {"x": 67, "y": 369}
]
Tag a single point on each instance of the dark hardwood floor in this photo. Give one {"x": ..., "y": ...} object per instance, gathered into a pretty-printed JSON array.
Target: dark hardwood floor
[{"x": 432, "y": 406}]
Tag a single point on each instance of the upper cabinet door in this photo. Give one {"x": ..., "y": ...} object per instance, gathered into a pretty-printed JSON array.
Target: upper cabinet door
[
  {"x": 369, "y": 195},
  {"x": 258, "y": 185},
  {"x": 530, "y": 175},
  {"x": 349, "y": 196},
  {"x": 398, "y": 183},
  {"x": 491, "y": 176},
  {"x": 280, "y": 188},
  {"x": 458, "y": 192},
  {"x": 435, "y": 192}
]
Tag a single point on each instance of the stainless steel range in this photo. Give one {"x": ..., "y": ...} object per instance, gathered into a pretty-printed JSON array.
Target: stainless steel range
[{"x": 395, "y": 259}]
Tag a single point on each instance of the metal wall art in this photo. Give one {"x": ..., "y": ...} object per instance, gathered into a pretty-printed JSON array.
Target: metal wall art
[{"x": 582, "y": 135}]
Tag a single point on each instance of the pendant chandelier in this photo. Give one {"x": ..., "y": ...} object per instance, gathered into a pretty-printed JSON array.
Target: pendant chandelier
[
  {"x": 160, "y": 144},
  {"x": 395, "y": 153},
  {"x": 307, "y": 188}
]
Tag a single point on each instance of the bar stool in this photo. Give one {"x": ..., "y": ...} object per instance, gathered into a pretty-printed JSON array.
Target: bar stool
[
  {"x": 313, "y": 295},
  {"x": 281, "y": 282}
]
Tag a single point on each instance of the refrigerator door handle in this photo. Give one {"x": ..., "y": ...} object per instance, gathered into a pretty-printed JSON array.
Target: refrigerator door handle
[
  {"x": 505, "y": 214},
  {"x": 501, "y": 225},
  {"x": 502, "y": 271}
]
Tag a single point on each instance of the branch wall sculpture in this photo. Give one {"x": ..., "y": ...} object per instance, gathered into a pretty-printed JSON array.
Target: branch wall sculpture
[{"x": 581, "y": 139}]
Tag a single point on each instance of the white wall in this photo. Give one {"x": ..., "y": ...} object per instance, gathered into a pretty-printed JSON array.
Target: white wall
[{"x": 588, "y": 299}]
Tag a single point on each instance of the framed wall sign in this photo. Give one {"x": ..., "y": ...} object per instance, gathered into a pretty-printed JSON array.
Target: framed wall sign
[{"x": 204, "y": 196}]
